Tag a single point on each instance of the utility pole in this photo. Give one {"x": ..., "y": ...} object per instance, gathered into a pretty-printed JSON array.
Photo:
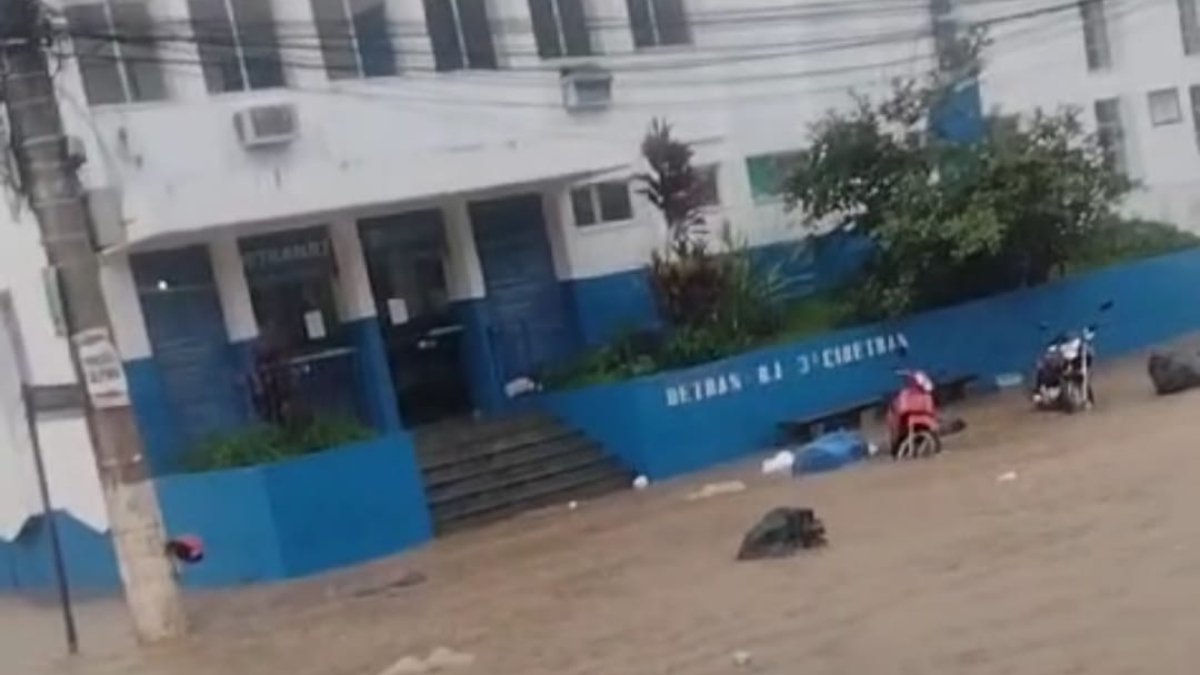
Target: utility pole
[{"x": 49, "y": 181}]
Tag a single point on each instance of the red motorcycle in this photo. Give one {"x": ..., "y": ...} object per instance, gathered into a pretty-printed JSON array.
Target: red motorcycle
[{"x": 912, "y": 418}]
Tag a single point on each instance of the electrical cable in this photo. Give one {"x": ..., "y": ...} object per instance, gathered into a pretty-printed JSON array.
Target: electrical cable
[
  {"x": 736, "y": 81},
  {"x": 694, "y": 58}
]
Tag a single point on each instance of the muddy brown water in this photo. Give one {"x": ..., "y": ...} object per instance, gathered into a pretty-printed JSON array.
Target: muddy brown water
[{"x": 1088, "y": 562}]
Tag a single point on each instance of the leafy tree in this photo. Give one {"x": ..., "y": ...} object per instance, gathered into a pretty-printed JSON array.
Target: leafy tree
[{"x": 953, "y": 221}]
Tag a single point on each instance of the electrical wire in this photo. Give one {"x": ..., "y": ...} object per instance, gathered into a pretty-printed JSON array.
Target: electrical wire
[
  {"x": 735, "y": 81},
  {"x": 696, "y": 56}
]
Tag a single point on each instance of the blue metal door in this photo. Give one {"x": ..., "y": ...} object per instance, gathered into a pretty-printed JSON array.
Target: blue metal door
[
  {"x": 187, "y": 335},
  {"x": 528, "y": 323}
]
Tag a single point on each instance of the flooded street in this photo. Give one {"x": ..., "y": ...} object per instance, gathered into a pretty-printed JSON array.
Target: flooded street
[{"x": 1087, "y": 561}]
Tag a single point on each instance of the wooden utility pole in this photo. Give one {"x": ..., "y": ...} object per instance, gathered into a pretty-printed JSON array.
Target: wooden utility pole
[{"x": 48, "y": 179}]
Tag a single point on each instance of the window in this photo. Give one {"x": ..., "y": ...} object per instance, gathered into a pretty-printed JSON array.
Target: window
[
  {"x": 1095, "y": 34},
  {"x": 1111, "y": 133},
  {"x": 354, "y": 38},
  {"x": 1194, "y": 96},
  {"x": 708, "y": 186},
  {"x": 1189, "y": 26},
  {"x": 768, "y": 173},
  {"x": 1164, "y": 107},
  {"x": 606, "y": 202},
  {"x": 657, "y": 23},
  {"x": 115, "y": 71},
  {"x": 461, "y": 34},
  {"x": 561, "y": 28},
  {"x": 237, "y": 44}
]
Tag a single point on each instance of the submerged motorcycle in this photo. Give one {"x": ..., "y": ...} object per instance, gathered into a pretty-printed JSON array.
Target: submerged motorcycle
[
  {"x": 1063, "y": 374},
  {"x": 912, "y": 418}
]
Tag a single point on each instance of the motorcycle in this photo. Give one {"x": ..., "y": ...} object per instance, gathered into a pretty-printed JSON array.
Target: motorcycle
[
  {"x": 912, "y": 418},
  {"x": 1063, "y": 374}
]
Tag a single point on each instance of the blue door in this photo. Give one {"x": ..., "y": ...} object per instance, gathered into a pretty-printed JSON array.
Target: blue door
[
  {"x": 529, "y": 327},
  {"x": 187, "y": 335}
]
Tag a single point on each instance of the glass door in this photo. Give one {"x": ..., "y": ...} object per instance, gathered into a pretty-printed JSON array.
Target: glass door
[{"x": 406, "y": 262}]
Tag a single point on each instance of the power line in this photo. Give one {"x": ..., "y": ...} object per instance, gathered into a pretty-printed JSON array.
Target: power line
[
  {"x": 734, "y": 80},
  {"x": 694, "y": 59}
]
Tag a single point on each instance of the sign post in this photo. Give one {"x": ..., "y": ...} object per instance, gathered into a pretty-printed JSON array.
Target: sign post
[{"x": 12, "y": 342}]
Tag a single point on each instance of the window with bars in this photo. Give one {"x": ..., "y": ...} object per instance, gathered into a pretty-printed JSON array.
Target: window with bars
[
  {"x": 461, "y": 34},
  {"x": 355, "y": 40},
  {"x": 1095, "y": 34},
  {"x": 601, "y": 203},
  {"x": 658, "y": 23},
  {"x": 1110, "y": 131},
  {"x": 237, "y": 43},
  {"x": 561, "y": 28},
  {"x": 1189, "y": 25},
  {"x": 114, "y": 71}
]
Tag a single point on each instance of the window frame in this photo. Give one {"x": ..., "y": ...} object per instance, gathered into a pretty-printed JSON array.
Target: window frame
[
  {"x": 709, "y": 176},
  {"x": 349, "y": 18},
  {"x": 1173, "y": 93},
  {"x": 1097, "y": 39},
  {"x": 462, "y": 40},
  {"x": 774, "y": 158},
  {"x": 563, "y": 45},
  {"x": 1189, "y": 26},
  {"x": 118, "y": 57},
  {"x": 654, "y": 29},
  {"x": 597, "y": 207},
  {"x": 1194, "y": 99},
  {"x": 237, "y": 48},
  {"x": 1111, "y": 133}
]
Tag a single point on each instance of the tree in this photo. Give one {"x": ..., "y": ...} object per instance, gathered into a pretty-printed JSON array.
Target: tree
[
  {"x": 719, "y": 298},
  {"x": 953, "y": 221}
]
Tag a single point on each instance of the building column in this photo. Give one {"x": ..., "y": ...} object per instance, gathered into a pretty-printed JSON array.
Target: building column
[
  {"x": 241, "y": 326},
  {"x": 147, "y": 390},
  {"x": 468, "y": 291},
  {"x": 356, "y": 302}
]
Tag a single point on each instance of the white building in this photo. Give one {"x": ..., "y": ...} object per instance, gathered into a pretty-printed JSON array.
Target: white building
[
  {"x": 1131, "y": 66},
  {"x": 427, "y": 199}
]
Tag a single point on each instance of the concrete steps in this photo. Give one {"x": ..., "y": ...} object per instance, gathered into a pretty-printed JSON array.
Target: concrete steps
[{"x": 481, "y": 471}]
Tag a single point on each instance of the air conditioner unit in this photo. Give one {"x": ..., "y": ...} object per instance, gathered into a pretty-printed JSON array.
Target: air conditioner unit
[
  {"x": 586, "y": 88},
  {"x": 266, "y": 125}
]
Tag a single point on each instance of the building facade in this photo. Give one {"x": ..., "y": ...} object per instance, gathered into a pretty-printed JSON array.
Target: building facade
[
  {"x": 423, "y": 202},
  {"x": 1132, "y": 68}
]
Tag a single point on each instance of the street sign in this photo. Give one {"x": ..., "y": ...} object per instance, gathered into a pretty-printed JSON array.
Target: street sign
[{"x": 104, "y": 376}]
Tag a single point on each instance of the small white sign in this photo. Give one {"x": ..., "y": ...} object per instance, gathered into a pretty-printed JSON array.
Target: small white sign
[
  {"x": 103, "y": 373},
  {"x": 314, "y": 324},
  {"x": 397, "y": 311}
]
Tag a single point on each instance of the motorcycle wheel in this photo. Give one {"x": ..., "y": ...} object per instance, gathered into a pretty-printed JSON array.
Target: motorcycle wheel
[
  {"x": 919, "y": 444},
  {"x": 1074, "y": 397}
]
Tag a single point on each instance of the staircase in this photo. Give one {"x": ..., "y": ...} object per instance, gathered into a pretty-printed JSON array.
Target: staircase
[{"x": 481, "y": 471}]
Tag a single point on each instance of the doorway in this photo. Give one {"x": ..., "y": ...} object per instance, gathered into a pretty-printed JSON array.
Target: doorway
[
  {"x": 529, "y": 325},
  {"x": 291, "y": 276},
  {"x": 179, "y": 301},
  {"x": 407, "y": 266}
]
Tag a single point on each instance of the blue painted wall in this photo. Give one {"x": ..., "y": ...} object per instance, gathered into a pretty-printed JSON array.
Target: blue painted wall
[
  {"x": 265, "y": 523},
  {"x": 161, "y": 440},
  {"x": 27, "y": 561},
  {"x": 606, "y": 305},
  {"x": 682, "y": 421},
  {"x": 373, "y": 376}
]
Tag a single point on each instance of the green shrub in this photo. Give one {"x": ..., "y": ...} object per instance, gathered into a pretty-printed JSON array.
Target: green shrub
[
  {"x": 268, "y": 443},
  {"x": 1122, "y": 240}
]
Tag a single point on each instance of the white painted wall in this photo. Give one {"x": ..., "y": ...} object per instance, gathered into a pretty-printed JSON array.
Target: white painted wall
[
  {"x": 1041, "y": 63},
  {"x": 424, "y": 136}
]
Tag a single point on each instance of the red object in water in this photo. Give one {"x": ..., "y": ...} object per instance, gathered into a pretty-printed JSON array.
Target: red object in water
[
  {"x": 912, "y": 418},
  {"x": 187, "y": 548}
]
